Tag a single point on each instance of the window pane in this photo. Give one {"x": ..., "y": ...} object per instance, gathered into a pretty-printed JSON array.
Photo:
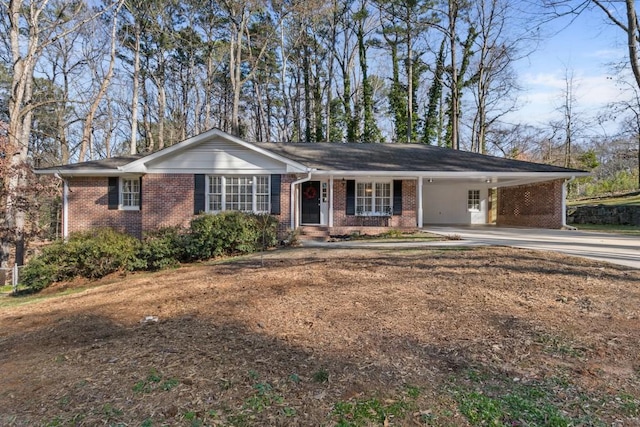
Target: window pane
[
  {"x": 473, "y": 200},
  {"x": 239, "y": 193},
  {"x": 131, "y": 193},
  {"x": 364, "y": 198},
  {"x": 262, "y": 193},
  {"x": 383, "y": 198},
  {"x": 215, "y": 193}
]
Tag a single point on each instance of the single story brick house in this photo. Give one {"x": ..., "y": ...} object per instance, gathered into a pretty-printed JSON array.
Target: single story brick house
[{"x": 336, "y": 188}]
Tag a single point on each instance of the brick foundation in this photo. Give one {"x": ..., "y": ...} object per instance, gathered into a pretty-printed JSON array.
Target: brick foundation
[{"x": 534, "y": 205}]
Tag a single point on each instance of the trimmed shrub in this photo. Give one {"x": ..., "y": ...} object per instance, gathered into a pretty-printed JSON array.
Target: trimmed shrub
[
  {"x": 92, "y": 254},
  {"x": 228, "y": 233},
  {"x": 96, "y": 253},
  {"x": 161, "y": 249}
]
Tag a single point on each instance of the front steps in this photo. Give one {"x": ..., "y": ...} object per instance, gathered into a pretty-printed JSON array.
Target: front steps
[{"x": 313, "y": 232}]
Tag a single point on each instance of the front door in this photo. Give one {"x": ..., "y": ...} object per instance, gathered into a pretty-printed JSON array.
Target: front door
[{"x": 310, "y": 191}]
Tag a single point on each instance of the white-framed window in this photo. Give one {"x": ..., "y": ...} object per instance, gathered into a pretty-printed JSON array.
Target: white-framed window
[
  {"x": 373, "y": 198},
  {"x": 473, "y": 200},
  {"x": 130, "y": 193},
  {"x": 238, "y": 193}
]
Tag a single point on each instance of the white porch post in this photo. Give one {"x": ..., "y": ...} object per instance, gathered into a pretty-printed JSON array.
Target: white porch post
[
  {"x": 65, "y": 209},
  {"x": 564, "y": 201},
  {"x": 420, "y": 179},
  {"x": 293, "y": 207},
  {"x": 331, "y": 201}
]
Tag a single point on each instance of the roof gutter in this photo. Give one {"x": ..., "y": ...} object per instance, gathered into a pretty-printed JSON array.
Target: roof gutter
[{"x": 293, "y": 196}]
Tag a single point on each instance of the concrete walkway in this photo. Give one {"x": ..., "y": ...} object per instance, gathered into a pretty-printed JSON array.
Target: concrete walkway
[{"x": 609, "y": 247}]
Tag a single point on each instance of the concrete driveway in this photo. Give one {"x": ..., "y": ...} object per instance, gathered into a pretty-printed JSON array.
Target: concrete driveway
[{"x": 613, "y": 248}]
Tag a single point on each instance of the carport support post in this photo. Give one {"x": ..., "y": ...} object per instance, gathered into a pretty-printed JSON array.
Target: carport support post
[
  {"x": 420, "y": 180},
  {"x": 564, "y": 200}
]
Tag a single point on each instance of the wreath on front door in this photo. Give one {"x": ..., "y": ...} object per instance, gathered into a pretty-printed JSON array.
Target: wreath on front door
[{"x": 310, "y": 193}]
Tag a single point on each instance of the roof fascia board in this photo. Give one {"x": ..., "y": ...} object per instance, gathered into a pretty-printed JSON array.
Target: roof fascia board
[
  {"x": 140, "y": 164},
  {"x": 451, "y": 174},
  {"x": 84, "y": 172}
]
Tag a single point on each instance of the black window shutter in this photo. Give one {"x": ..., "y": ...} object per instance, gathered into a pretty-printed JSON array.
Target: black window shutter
[
  {"x": 140, "y": 192},
  {"x": 351, "y": 197},
  {"x": 113, "y": 193},
  {"x": 198, "y": 194},
  {"x": 275, "y": 194},
  {"x": 397, "y": 197}
]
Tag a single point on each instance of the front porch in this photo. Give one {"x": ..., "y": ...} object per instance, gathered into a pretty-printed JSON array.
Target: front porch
[{"x": 373, "y": 205}]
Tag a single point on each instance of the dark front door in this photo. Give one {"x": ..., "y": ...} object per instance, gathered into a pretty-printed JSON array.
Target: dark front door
[{"x": 310, "y": 202}]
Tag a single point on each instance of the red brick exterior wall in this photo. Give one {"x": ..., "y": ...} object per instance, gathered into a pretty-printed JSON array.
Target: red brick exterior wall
[
  {"x": 167, "y": 200},
  {"x": 284, "y": 219},
  {"x": 88, "y": 208},
  {"x": 534, "y": 205},
  {"x": 348, "y": 224}
]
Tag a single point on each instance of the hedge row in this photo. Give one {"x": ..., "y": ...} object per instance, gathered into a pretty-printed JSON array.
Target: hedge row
[{"x": 99, "y": 252}]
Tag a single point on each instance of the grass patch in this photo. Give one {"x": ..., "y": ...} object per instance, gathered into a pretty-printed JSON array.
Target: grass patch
[
  {"x": 7, "y": 301},
  {"x": 628, "y": 199},
  {"x": 392, "y": 236},
  {"x": 502, "y": 401},
  {"x": 364, "y": 412},
  {"x": 320, "y": 376},
  {"x": 559, "y": 346},
  {"x": 631, "y": 230},
  {"x": 154, "y": 381}
]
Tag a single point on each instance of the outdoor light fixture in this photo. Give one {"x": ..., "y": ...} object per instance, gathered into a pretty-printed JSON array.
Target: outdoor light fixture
[{"x": 430, "y": 180}]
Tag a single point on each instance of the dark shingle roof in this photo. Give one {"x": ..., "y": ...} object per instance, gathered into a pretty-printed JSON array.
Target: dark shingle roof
[
  {"x": 399, "y": 157},
  {"x": 97, "y": 165}
]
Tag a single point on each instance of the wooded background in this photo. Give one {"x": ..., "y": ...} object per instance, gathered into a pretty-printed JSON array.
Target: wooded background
[{"x": 82, "y": 80}]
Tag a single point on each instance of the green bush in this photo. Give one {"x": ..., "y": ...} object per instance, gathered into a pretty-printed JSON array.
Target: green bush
[
  {"x": 96, "y": 253},
  {"x": 39, "y": 273},
  {"x": 161, "y": 249},
  {"x": 92, "y": 254},
  {"x": 228, "y": 233}
]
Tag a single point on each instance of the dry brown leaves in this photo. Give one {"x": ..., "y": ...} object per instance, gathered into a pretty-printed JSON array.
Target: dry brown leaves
[{"x": 372, "y": 320}]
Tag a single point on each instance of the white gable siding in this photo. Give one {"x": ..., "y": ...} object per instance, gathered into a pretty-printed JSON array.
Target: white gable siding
[{"x": 217, "y": 156}]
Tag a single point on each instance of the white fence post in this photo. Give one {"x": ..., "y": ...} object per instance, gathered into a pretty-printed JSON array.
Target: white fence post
[{"x": 14, "y": 278}]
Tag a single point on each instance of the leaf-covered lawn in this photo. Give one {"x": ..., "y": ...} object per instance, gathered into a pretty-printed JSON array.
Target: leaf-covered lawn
[{"x": 492, "y": 336}]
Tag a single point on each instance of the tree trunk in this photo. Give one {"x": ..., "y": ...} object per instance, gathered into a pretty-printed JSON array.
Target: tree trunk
[
  {"x": 87, "y": 128},
  {"x": 133, "y": 147},
  {"x": 19, "y": 129},
  {"x": 410, "y": 87},
  {"x": 453, "y": 17}
]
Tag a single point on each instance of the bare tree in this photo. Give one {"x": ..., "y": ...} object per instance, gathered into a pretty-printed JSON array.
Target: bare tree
[
  {"x": 31, "y": 26},
  {"x": 105, "y": 81},
  {"x": 494, "y": 82},
  {"x": 241, "y": 49}
]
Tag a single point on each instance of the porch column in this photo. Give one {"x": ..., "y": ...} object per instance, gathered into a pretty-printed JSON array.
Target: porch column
[
  {"x": 65, "y": 209},
  {"x": 420, "y": 201},
  {"x": 331, "y": 201}
]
